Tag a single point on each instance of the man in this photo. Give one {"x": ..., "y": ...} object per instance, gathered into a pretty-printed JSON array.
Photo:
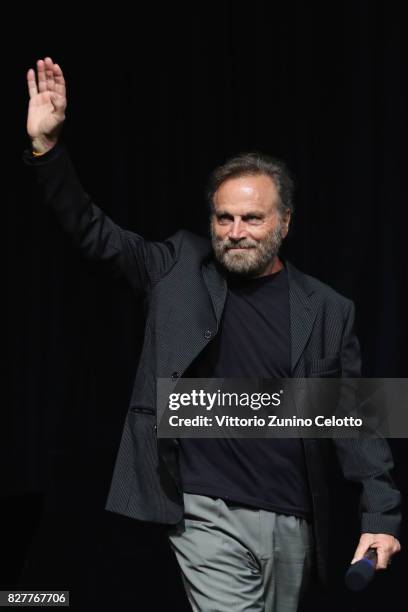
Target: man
[{"x": 245, "y": 516}]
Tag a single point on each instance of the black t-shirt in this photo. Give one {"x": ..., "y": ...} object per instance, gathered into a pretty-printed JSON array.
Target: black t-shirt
[{"x": 253, "y": 342}]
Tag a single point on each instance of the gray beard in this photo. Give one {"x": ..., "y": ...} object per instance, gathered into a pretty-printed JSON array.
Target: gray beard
[{"x": 252, "y": 262}]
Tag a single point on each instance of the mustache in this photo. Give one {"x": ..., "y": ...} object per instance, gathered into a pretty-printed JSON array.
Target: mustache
[{"x": 227, "y": 244}]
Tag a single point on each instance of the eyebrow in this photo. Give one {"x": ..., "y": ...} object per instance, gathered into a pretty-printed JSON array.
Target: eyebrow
[{"x": 258, "y": 213}]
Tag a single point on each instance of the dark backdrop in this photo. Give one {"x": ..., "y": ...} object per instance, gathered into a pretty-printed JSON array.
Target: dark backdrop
[{"x": 156, "y": 99}]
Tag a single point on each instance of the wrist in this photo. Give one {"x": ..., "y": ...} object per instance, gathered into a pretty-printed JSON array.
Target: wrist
[{"x": 40, "y": 146}]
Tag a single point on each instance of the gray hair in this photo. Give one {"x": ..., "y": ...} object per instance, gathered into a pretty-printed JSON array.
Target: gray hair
[{"x": 251, "y": 164}]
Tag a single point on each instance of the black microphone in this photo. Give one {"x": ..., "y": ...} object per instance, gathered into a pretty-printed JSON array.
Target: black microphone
[{"x": 360, "y": 573}]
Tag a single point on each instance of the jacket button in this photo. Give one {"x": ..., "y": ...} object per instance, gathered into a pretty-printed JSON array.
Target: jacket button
[
  {"x": 207, "y": 333},
  {"x": 175, "y": 375}
]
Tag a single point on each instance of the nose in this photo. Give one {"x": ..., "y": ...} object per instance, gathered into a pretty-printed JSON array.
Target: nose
[{"x": 237, "y": 230}]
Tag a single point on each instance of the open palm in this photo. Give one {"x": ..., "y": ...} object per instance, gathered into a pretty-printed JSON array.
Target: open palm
[{"x": 46, "y": 110}]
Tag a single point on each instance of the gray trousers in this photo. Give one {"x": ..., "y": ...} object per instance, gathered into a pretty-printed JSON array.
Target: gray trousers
[{"x": 239, "y": 558}]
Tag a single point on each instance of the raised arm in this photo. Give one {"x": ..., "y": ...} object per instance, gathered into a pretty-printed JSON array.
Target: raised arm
[
  {"x": 47, "y": 105},
  {"x": 126, "y": 253}
]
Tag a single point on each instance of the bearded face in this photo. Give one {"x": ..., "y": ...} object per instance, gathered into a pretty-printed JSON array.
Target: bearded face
[
  {"x": 247, "y": 256},
  {"x": 247, "y": 227}
]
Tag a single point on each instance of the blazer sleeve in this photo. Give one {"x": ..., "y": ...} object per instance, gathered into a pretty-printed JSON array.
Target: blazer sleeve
[
  {"x": 368, "y": 461},
  {"x": 97, "y": 236}
]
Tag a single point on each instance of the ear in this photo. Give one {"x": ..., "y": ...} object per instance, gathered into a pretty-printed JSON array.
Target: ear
[{"x": 286, "y": 216}]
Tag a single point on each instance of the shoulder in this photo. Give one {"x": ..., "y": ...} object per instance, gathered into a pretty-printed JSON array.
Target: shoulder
[
  {"x": 187, "y": 243},
  {"x": 320, "y": 290}
]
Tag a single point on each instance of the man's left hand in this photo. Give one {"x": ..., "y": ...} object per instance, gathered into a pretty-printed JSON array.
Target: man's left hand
[{"x": 386, "y": 546}]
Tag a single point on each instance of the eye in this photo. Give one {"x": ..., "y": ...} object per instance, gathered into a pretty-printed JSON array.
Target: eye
[
  {"x": 223, "y": 218},
  {"x": 253, "y": 218}
]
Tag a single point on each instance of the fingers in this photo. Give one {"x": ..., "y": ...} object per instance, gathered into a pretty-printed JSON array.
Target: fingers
[
  {"x": 32, "y": 85},
  {"x": 49, "y": 74},
  {"x": 383, "y": 556},
  {"x": 59, "y": 80},
  {"x": 363, "y": 546},
  {"x": 42, "y": 81},
  {"x": 386, "y": 546},
  {"x": 385, "y": 550},
  {"x": 50, "y": 78}
]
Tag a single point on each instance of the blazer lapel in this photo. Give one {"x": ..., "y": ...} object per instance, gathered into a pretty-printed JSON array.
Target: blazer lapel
[
  {"x": 216, "y": 285},
  {"x": 303, "y": 310}
]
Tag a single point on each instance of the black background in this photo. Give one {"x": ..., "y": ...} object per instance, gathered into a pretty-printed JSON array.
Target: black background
[{"x": 156, "y": 99}]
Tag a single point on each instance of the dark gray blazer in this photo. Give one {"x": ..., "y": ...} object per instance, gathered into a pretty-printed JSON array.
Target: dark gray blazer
[{"x": 185, "y": 293}]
